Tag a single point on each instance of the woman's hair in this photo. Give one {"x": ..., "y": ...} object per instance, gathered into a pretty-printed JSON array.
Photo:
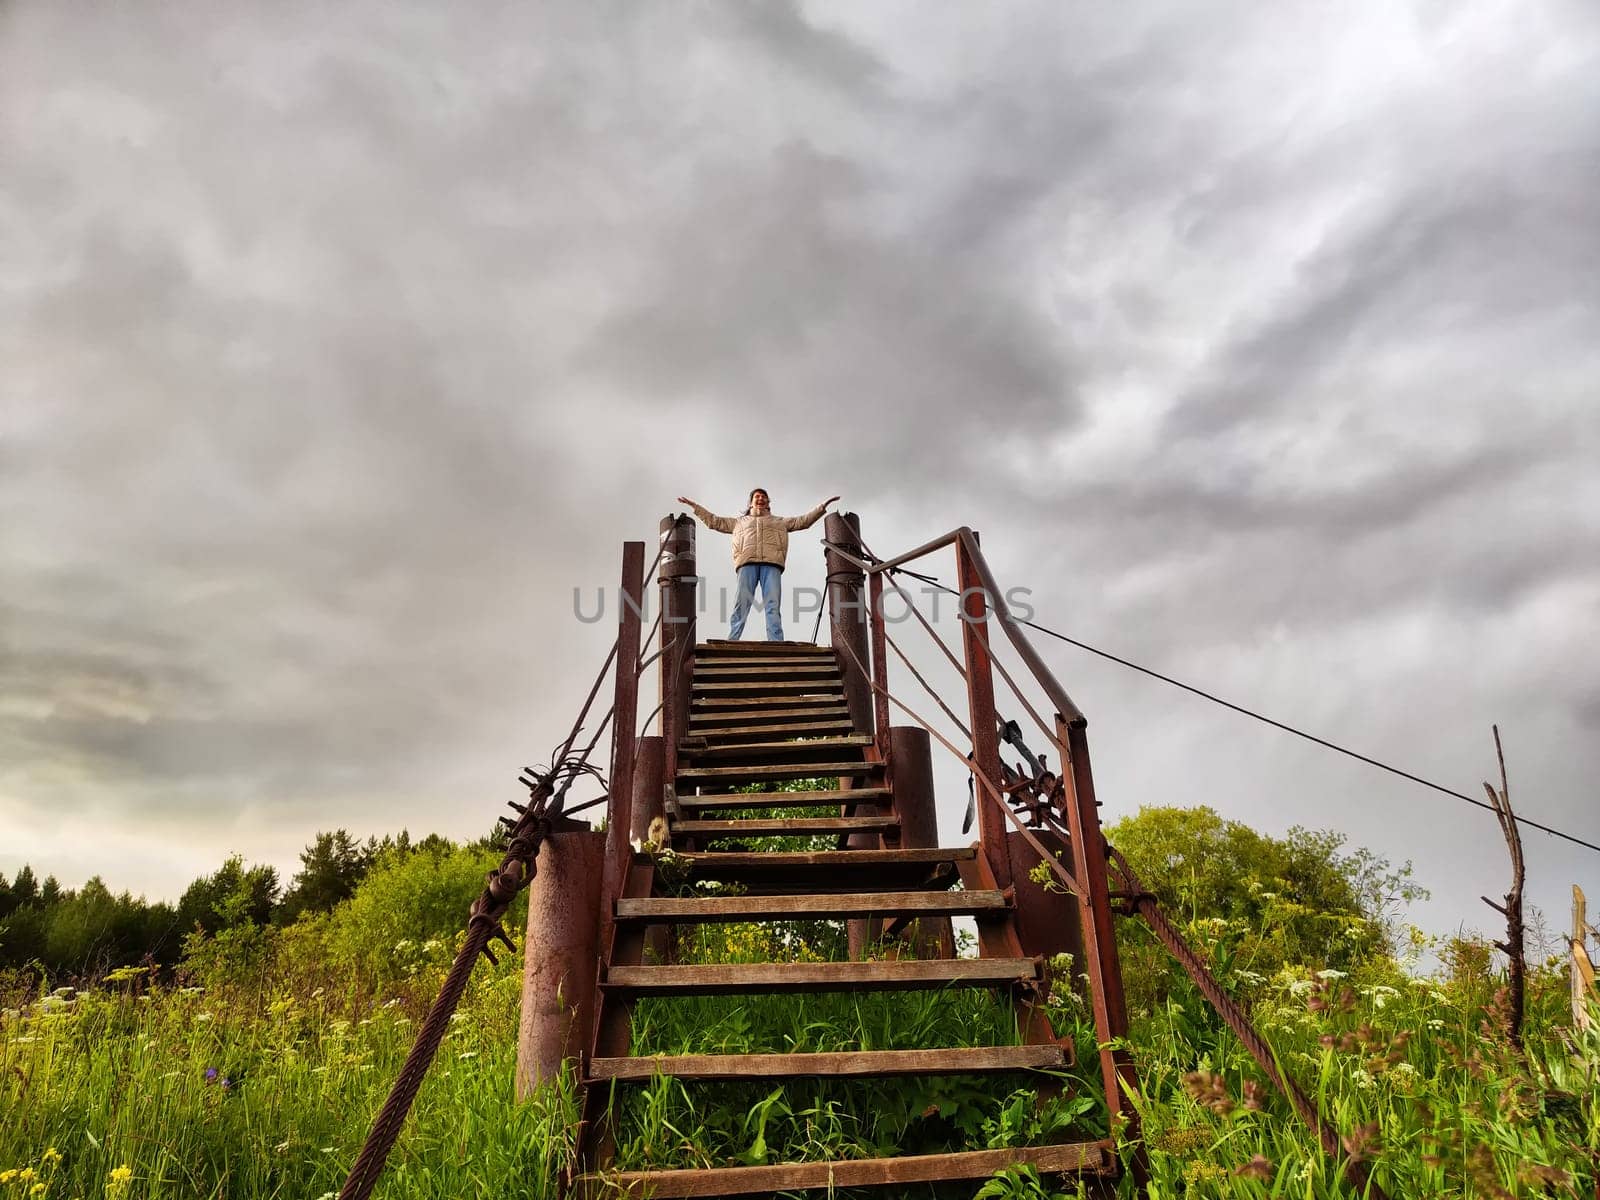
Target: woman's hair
[{"x": 751, "y": 502}]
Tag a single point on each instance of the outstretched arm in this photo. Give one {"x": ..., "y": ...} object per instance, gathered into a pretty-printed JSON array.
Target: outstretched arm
[
  {"x": 810, "y": 519},
  {"x": 710, "y": 519}
]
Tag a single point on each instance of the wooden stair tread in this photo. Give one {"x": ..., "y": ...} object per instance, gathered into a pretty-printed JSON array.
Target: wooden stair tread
[
  {"x": 707, "y": 706},
  {"x": 733, "y": 714},
  {"x": 764, "y": 669},
  {"x": 732, "y": 734},
  {"x": 735, "y": 648},
  {"x": 768, "y": 687},
  {"x": 813, "y": 871},
  {"x": 835, "y": 859},
  {"x": 790, "y": 826},
  {"x": 711, "y": 800},
  {"x": 777, "y": 771},
  {"x": 718, "y": 749},
  {"x": 723, "y": 979},
  {"x": 738, "y": 662},
  {"x": 1064, "y": 1158},
  {"x": 955, "y": 1060},
  {"x": 838, "y": 906}
]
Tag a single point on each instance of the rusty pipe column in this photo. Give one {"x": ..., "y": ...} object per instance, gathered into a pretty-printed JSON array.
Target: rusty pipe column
[
  {"x": 648, "y": 778},
  {"x": 649, "y": 804},
  {"x": 562, "y": 957},
  {"x": 974, "y": 614},
  {"x": 847, "y": 616},
  {"x": 624, "y": 734},
  {"x": 911, "y": 751},
  {"x": 678, "y": 585}
]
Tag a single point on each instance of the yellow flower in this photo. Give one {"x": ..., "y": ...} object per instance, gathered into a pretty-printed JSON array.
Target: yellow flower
[
  {"x": 8, "y": 1176},
  {"x": 117, "y": 1183},
  {"x": 27, "y": 1175},
  {"x": 52, "y": 1155},
  {"x": 37, "y": 1189}
]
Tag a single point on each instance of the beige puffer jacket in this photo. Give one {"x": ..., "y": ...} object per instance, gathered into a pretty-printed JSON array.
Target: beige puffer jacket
[{"x": 759, "y": 539}]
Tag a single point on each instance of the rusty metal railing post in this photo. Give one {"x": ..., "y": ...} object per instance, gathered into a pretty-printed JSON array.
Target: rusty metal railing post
[
  {"x": 678, "y": 585},
  {"x": 619, "y": 807},
  {"x": 974, "y": 614},
  {"x": 1102, "y": 963},
  {"x": 880, "y": 669},
  {"x": 847, "y": 615},
  {"x": 556, "y": 1023},
  {"x": 911, "y": 749}
]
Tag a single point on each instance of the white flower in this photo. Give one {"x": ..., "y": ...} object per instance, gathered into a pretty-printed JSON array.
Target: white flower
[
  {"x": 1330, "y": 973},
  {"x": 1301, "y": 987}
]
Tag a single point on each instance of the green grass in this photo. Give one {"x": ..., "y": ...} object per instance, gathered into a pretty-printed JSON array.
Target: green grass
[{"x": 115, "y": 1080}]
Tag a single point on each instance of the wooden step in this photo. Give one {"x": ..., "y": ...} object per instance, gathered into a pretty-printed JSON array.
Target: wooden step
[
  {"x": 729, "y": 735},
  {"x": 754, "y": 705},
  {"x": 811, "y": 871},
  {"x": 718, "y": 646},
  {"x": 711, "y": 717},
  {"x": 783, "y": 826},
  {"x": 788, "y": 661},
  {"x": 700, "y": 910},
  {"x": 817, "y": 670},
  {"x": 847, "y": 1064},
  {"x": 706, "y": 748},
  {"x": 768, "y": 687},
  {"x": 716, "y": 800},
  {"x": 733, "y": 979},
  {"x": 1066, "y": 1158},
  {"x": 773, "y": 772}
]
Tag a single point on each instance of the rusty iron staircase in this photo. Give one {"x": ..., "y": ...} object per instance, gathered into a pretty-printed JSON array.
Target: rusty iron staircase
[{"x": 766, "y": 714}]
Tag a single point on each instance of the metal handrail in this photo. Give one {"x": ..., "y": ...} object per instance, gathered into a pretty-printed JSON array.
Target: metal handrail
[{"x": 969, "y": 542}]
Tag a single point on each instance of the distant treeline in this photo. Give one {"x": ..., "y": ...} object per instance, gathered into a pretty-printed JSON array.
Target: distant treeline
[{"x": 77, "y": 932}]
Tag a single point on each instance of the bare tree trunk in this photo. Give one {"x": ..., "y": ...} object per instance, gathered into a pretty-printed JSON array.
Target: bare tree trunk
[{"x": 1512, "y": 909}]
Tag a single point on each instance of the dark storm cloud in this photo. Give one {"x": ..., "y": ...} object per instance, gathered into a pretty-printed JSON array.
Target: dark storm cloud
[
  {"x": 772, "y": 288},
  {"x": 1470, "y": 253}
]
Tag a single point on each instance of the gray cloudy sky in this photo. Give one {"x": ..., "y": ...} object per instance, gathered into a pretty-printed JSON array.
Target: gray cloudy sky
[{"x": 340, "y": 343}]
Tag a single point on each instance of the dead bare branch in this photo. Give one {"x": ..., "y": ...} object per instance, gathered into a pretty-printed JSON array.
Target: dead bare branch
[{"x": 1514, "y": 945}]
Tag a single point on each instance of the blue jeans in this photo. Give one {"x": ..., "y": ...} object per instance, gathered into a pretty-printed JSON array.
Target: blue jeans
[{"x": 770, "y": 578}]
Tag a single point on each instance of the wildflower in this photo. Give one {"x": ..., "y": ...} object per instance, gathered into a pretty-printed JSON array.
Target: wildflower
[
  {"x": 50, "y": 1157},
  {"x": 1330, "y": 973},
  {"x": 117, "y": 1182},
  {"x": 1379, "y": 994},
  {"x": 211, "y": 1074},
  {"x": 38, "y": 1189},
  {"x": 8, "y": 1176}
]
